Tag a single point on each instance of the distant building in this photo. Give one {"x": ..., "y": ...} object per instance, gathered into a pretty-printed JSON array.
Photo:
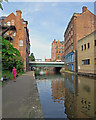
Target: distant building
[
  {"x": 14, "y": 29},
  {"x": 80, "y": 25},
  {"x": 47, "y": 60},
  {"x": 87, "y": 54},
  {"x": 57, "y": 51},
  {"x": 38, "y": 60}
]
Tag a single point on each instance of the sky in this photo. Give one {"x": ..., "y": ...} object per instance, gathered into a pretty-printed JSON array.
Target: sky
[{"x": 46, "y": 21}]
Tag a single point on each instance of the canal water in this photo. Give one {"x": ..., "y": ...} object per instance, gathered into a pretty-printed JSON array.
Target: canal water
[{"x": 67, "y": 96}]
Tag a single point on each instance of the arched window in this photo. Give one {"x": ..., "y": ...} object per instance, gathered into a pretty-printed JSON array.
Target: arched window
[
  {"x": 58, "y": 57},
  {"x": 59, "y": 46},
  {"x": 12, "y": 22},
  {"x": 8, "y": 23}
]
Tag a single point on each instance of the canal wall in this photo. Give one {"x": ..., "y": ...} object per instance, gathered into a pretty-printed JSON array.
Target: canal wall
[
  {"x": 78, "y": 73},
  {"x": 20, "y": 99}
]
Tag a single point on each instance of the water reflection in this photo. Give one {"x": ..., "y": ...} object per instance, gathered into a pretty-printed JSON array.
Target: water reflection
[
  {"x": 58, "y": 90},
  {"x": 76, "y": 94}
]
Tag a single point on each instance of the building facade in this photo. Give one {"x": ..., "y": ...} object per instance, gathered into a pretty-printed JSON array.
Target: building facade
[
  {"x": 57, "y": 51},
  {"x": 87, "y": 54},
  {"x": 14, "y": 29},
  {"x": 47, "y": 60},
  {"x": 80, "y": 25}
]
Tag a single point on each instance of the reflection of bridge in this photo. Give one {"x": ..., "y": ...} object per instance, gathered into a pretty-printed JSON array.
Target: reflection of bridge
[{"x": 46, "y": 64}]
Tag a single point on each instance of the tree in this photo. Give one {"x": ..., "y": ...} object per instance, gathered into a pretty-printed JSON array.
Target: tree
[
  {"x": 31, "y": 57},
  {"x": 10, "y": 57},
  {"x": 1, "y": 3}
]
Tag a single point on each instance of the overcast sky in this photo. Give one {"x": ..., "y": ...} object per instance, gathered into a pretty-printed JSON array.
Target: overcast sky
[{"x": 46, "y": 21}]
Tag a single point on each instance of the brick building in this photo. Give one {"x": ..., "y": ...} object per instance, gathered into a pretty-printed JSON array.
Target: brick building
[
  {"x": 87, "y": 54},
  {"x": 47, "y": 60},
  {"x": 57, "y": 51},
  {"x": 14, "y": 29},
  {"x": 80, "y": 25}
]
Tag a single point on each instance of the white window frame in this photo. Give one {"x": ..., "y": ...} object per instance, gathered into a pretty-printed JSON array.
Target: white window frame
[{"x": 20, "y": 43}]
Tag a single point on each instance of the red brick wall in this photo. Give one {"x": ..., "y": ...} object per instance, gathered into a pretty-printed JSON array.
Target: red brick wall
[
  {"x": 21, "y": 34},
  {"x": 82, "y": 25},
  {"x": 54, "y": 50}
]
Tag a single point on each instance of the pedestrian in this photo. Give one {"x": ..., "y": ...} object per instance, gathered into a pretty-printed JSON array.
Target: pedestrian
[{"x": 14, "y": 73}]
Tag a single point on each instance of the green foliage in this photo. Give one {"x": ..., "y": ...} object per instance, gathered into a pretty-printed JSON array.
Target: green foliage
[
  {"x": 31, "y": 57},
  {"x": 8, "y": 74},
  {"x": 11, "y": 57},
  {"x": 37, "y": 73}
]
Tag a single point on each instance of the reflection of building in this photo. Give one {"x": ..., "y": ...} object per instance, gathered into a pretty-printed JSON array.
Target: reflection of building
[
  {"x": 87, "y": 54},
  {"x": 86, "y": 98},
  {"x": 58, "y": 90},
  {"x": 80, "y": 102},
  {"x": 57, "y": 51},
  {"x": 14, "y": 29},
  {"x": 80, "y": 25}
]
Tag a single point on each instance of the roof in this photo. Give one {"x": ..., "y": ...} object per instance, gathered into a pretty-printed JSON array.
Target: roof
[{"x": 75, "y": 15}]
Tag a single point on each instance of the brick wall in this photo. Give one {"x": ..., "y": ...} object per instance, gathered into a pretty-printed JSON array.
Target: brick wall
[
  {"x": 80, "y": 25},
  {"x": 21, "y": 38},
  {"x": 57, "y": 50}
]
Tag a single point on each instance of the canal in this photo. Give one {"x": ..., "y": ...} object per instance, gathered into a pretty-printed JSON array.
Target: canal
[{"x": 67, "y": 96}]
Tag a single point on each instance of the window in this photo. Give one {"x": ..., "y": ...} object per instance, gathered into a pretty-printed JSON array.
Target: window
[
  {"x": 1, "y": 23},
  {"x": 56, "y": 46},
  {"x": 14, "y": 34},
  {"x": 95, "y": 42},
  {"x": 20, "y": 43},
  {"x": 58, "y": 57},
  {"x": 85, "y": 46},
  {"x": 88, "y": 45},
  {"x": 12, "y": 22},
  {"x": 59, "y": 51},
  {"x": 82, "y": 47},
  {"x": 59, "y": 46},
  {"x": 8, "y": 23},
  {"x": 95, "y": 61},
  {"x": 86, "y": 62},
  {"x": 4, "y": 23}
]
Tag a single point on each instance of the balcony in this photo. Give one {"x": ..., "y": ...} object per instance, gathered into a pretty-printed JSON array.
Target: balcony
[{"x": 6, "y": 28}]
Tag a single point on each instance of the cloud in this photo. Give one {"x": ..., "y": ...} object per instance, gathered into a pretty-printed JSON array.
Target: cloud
[
  {"x": 44, "y": 23},
  {"x": 2, "y": 13},
  {"x": 54, "y": 4},
  {"x": 40, "y": 49}
]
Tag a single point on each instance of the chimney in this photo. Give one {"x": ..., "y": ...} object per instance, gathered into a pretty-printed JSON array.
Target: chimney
[
  {"x": 84, "y": 8},
  {"x": 18, "y": 13},
  {"x": 54, "y": 40}
]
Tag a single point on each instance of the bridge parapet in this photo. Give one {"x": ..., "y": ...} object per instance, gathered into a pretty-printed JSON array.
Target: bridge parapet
[{"x": 46, "y": 64}]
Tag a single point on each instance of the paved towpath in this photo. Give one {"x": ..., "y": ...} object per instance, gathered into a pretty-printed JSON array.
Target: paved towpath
[{"x": 20, "y": 99}]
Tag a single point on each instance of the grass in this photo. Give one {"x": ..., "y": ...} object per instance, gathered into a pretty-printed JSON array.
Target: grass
[{"x": 9, "y": 75}]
